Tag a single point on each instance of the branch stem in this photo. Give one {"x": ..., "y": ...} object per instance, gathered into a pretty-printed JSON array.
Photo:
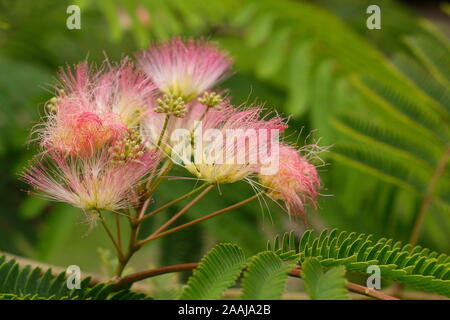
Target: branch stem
[
  {"x": 111, "y": 236},
  {"x": 119, "y": 236},
  {"x": 296, "y": 272},
  {"x": 175, "y": 217},
  {"x": 171, "y": 203},
  {"x": 428, "y": 197},
  {"x": 163, "y": 130},
  {"x": 212, "y": 215},
  {"x": 353, "y": 287},
  {"x": 130, "y": 279}
]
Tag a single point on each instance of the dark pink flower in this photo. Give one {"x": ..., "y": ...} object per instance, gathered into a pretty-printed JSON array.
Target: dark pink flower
[{"x": 296, "y": 182}]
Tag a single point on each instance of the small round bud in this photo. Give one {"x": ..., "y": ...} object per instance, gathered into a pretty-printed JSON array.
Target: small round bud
[
  {"x": 211, "y": 100},
  {"x": 171, "y": 104}
]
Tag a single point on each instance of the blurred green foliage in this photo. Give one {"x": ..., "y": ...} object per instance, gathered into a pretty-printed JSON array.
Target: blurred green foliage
[{"x": 314, "y": 60}]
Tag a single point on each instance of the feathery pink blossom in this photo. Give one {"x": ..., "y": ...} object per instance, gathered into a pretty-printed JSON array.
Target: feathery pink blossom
[
  {"x": 296, "y": 181},
  {"x": 96, "y": 183},
  {"x": 95, "y": 107},
  {"x": 184, "y": 68},
  {"x": 230, "y": 144}
]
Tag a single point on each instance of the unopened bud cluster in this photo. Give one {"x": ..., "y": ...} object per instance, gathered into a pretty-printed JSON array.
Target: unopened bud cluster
[
  {"x": 211, "y": 100},
  {"x": 127, "y": 149},
  {"x": 171, "y": 104}
]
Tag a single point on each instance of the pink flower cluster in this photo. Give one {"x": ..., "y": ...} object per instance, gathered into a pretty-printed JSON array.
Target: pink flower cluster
[{"x": 108, "y": 129}]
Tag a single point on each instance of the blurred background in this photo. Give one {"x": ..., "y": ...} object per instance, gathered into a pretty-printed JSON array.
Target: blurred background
[{"x": 380, "y": 97}]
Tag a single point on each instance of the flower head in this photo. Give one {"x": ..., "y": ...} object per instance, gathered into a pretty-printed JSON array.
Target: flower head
[
  {"x": 83, "y": 133},
  {"x": 104, "y": 181},
  {"x": 95, "y": 108},
  {"x": 229, "y": 144},
  {"x": 296, "y": 181},
  {"x": 184, "y": 68},
  {"x": 131, "y": 92}
]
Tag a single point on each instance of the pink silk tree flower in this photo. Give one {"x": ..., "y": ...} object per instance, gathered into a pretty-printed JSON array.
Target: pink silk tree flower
[
  {"x": 81, "y": 134},
  {"x": 296, "y": 182},
  {"x": 132, "y": 93},
  {"x": 184, "y": 68},
  {"x": 230, "y": 144},
  {"x": 103, "y": 181},
  {"x": 94, "y": 108}
]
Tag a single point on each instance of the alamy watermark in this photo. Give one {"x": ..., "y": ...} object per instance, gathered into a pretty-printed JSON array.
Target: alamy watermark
[
  {"x": 74, "y": 19},
  {"x": 259, "y": 147},
  {"x": 374, "y": 280},
  {"x": 374, "y": 20},
  {"x": 73, "y": 280}
]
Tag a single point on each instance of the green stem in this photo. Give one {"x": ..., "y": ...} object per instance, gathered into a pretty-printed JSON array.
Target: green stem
[
  {"x": 160, "y": 139},
  {"x": 132, "y": 247},
  {"x": 119, "y": 236},
  {"x": 134, "y": 244},
  {"x": 163, "y": 130},
  {"x": 202, "y": 116},
  {"x": 111, "y": 236},
  {"x": 159, "y": 178}
]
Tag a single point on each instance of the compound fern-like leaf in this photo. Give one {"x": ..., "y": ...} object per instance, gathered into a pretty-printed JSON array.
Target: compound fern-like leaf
[{"x": 217, "y": 271}]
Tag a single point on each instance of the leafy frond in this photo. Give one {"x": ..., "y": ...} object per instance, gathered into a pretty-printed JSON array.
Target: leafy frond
[
  {"x": 27, "y": 283},
  {"x": 414, "y": 266},
  {"x": 425, "y": 81},
  {"x": 405, "y": 138},
  {"x": 168, "y": 17},
  {"x": 404, "y": 108},
  {"x": 393, "y": 140},
  {"x": 433, "y": 55},
  {"x": 367, "y": 159}
]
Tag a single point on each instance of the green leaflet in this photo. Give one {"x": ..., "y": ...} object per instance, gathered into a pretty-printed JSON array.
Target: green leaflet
[
  {"x": 26, "y": 283},
  {"x": 265, "y": 277},
  {"x": 275, "y": 53},
  {"x": 299, "y": 79},
  {"x": 260, "y": 30},
  {"x": 218, "y": 271},
  {"x": 417, "y": 266},
  {"x": 320, "y": 285}
]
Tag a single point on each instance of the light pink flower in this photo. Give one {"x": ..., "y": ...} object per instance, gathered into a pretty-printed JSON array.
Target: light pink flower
[
  {"x": 94, "y": 108},
  {"x": 184, "y": 68},
  {"x": 99, "y": 182},
  {"x": 296, "y": 181}
]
